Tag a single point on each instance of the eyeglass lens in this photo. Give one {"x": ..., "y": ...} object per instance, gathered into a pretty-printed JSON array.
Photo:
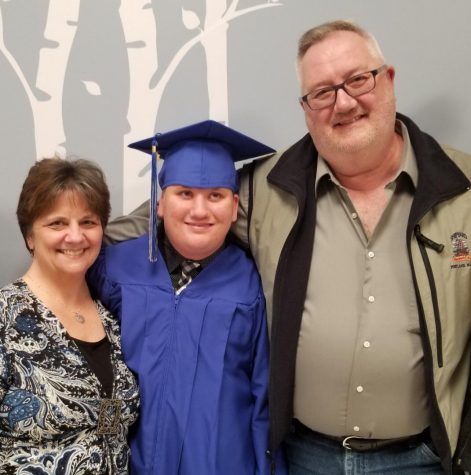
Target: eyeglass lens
[{"x": 354, "y": 86}]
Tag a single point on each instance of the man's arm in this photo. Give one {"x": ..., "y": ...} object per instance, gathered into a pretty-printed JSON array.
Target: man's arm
[
  {"x": 129, "y": 226},
  {"x": 240, "y": 227},
  {"x": 259, "y": 385}
]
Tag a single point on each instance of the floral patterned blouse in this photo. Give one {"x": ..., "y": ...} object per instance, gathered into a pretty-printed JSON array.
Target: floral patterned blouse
[{"x": 52, "y": 417}]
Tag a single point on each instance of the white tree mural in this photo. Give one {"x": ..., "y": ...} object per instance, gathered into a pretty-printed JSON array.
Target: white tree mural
[
  {"x": 213, "y": 36},
  {"x": 46, "y": 99},
  {"x": 148, "y": 78},
  {"x": 140, "y": 32}
]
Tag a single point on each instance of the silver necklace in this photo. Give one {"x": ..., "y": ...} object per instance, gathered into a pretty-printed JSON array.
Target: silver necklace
[{"x": 77, "y": 316}]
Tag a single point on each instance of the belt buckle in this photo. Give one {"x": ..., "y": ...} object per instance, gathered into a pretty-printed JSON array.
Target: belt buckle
[
  {"x": 109, "y": 416},
  {"x": 345, "y": 442}
]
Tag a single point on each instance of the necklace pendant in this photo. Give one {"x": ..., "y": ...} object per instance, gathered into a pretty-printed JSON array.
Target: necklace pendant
[{"x": 79, "y": 317}]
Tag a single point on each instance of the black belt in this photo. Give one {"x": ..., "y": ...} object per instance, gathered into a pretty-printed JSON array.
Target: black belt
[{"x": 361, "y": 444}]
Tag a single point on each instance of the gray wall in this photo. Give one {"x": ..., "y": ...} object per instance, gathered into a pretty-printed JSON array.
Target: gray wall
[{"x": 86, "y": 77}]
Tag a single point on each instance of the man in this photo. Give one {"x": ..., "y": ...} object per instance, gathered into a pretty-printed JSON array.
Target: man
[
  {"x": 193, "y": 315},
  {"x": 360, "y": 233},
  {"x": 366, "y": 274}
]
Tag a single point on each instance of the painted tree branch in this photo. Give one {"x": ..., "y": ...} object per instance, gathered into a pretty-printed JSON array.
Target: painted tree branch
[
  {"x": 231, "y": 14},
  {"x": 13, "y": 63}
]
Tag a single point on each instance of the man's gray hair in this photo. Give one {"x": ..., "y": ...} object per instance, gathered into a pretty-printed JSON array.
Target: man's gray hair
[{"x": 319, "y": 33}]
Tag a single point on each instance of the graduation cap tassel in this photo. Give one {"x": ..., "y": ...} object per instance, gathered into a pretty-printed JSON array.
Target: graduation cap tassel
[{"x": 153, "y": 205}]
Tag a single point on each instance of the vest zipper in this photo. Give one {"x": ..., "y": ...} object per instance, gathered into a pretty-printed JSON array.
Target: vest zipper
[{"x": 424, "y": 242}]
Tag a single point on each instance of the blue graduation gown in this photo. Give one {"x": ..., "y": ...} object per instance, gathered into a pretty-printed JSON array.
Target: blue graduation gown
[{"x": 201, "y": 359}]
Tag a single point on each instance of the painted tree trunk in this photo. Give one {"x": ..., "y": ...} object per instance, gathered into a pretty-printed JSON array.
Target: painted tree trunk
[
  {"x": 140, "y": 31},
  {"x": 215, "y": 47},
  {"x": 60, "y": 31}
]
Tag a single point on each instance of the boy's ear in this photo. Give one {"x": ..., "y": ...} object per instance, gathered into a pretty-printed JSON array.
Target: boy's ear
[
  {"x": 235, "y": 207},
  {"x": 161, "y": 206}
]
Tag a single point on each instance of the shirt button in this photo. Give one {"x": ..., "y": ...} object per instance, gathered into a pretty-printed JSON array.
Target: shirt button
[
  {"x": 371, "y": 254},
  {"x": 356, "y": 428},
  {"x": 366, "y": 344},
  {"x": 371, "y": 299},
  {"x": 354, "y": 215},
  {"x": 359, "y": 389}
]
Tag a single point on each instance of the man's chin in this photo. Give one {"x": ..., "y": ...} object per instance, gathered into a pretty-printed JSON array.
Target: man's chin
[{"x": 351, "y": 145}]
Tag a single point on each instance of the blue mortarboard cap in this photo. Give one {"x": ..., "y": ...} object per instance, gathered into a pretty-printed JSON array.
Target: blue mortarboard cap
[{"x": 200, "y": 155}]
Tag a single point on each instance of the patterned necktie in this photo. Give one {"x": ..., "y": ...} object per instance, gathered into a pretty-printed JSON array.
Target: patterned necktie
[{"x": 188, "y": 269}]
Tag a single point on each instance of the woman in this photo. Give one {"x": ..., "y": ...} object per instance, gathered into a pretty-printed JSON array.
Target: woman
[{"x": 66, "y": 396}]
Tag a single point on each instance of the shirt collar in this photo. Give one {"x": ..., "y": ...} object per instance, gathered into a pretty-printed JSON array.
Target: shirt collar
[
  {"x": 171, "y": 256},
  {"x": 408, "y": 160}
]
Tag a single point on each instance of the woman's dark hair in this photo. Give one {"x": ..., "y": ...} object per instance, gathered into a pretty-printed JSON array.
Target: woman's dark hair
[{"x": 51, "y": 177}]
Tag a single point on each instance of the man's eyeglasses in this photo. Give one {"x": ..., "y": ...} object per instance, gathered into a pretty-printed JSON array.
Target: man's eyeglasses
[{"x": 354, "y": 86}]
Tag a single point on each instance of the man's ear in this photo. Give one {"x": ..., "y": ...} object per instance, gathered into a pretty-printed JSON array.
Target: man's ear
[{"x": 391, "y": 72}]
